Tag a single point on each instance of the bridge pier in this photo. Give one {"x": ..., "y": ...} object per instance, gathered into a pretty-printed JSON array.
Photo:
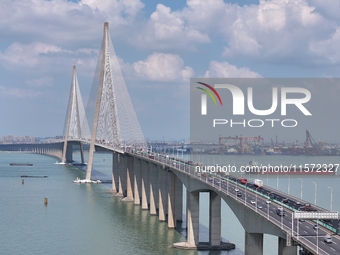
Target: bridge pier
[
  {"x": 120, "y": 163},
  {"x": 283, "y": 249},
  {"x": 215, "y": 219},
  {"x": 136, "y": 181},
  {"x": 162, "y": 190},
  {"x": 193, "y": 199},
  {"x": 171, "y": 199},
  {"x": 68, "y": 153},
  {"x": 153, "y": 177},
  {"x": 144, "y": 182},
  {"x": 179, "y": 199},
  {"x": 253, "y": 243},
  {"x": 115, "y": 172},
  {"x": 129, "y": 179},
  {"x": 192, "y": 222}
]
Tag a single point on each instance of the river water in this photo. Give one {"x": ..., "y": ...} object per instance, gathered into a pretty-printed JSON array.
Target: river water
[{"x": 85, "y": 219}]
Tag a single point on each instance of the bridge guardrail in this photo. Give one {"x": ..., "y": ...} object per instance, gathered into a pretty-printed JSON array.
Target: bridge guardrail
[{"x": 189, "y": 169}]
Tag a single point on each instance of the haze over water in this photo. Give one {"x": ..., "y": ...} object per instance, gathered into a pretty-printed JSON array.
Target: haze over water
[{"x": 86, "y": 219}]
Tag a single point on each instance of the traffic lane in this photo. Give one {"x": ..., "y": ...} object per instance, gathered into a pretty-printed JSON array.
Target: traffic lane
[{"x": 306, "y": 229}]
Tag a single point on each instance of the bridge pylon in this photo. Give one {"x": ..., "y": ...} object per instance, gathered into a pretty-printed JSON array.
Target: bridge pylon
[
  {"x": 115, "y": 124},
  {"x": 76, "y": 125}
]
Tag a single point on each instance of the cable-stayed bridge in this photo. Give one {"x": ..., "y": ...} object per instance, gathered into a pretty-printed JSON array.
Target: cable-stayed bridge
[{"x": 156, "y": 181}]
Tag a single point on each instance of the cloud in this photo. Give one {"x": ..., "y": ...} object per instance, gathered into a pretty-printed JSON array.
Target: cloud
[
  {"x": 277, "y": 29},
  {"x": 19, "y": 93},
  {"x": 327, "y": 50},
  {"x": 39, "y": 57},
  {"x": 168, "y": 30},
  {"x": 163, "y": 67},
  {"x": 121, "y": 12},
  {"x": 29, "y": 55},
  {"x": 329, "y": 9},
  {"x": 40, "y": 82},
  {"x": 226, "y": 70},
  {"x": 64, "y": 22}
]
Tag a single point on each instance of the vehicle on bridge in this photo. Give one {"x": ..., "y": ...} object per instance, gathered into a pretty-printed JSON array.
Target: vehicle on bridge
[
  {"x": 280, "y": 211},
  {"x": 243, "y": 181},
  {"x": 307, "y": 207},
  {"x": 328, "y": 238},
  {"x": 258, "y": 183}
]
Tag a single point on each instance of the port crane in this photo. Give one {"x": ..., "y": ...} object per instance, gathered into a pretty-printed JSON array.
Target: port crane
[{"x": 311, "y": 147}]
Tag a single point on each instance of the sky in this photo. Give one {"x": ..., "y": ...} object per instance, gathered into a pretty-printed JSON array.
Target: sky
[{"x": 160, "y": 45}]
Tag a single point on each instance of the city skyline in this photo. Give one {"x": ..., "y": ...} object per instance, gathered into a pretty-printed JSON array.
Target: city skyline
[{"x": 160, "y": 45}]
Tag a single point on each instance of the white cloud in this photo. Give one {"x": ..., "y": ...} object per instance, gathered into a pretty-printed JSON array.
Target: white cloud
[
  {"x": 163, "y": 67},
  {"x": 226, "y": 70},
  {"x": 19, "y": 93},
  {"x": 327, "y": 50},
  {"x": 278, "y": 29},
  {"x": 40, "y": 82},
  {"x": 329, "y": 9},
  {"x": 167, "y": 29},
  {"x": 29, "y": 55},
  {"x": 121, "y": 12},
  {"x": 43, "y": 57}
]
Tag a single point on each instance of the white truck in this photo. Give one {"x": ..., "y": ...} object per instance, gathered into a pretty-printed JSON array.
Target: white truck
[{"x": 258, "y": 183}]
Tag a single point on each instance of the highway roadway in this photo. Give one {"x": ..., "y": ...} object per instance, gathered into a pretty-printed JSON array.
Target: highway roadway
[
  {"x": 256, "y": 199},
  {"x": 303, "y": 231}
]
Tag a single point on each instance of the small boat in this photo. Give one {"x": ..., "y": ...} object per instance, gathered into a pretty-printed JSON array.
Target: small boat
[
  {"x": 21, "y": 164},
  {"x": 85, "y": 181},
  {"x": 59, "y": 163},
  {"x": 33, "y": 176}
]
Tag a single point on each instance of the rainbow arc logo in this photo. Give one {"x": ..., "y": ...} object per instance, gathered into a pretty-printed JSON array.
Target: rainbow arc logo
[{"x": 211, "y": 95}]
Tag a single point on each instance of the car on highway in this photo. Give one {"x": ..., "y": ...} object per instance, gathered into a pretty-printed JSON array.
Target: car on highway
[
  {"x": 259, "y": 206},
  {"x": 280, "y": 211},
  {"x": 268, "y": 201},
  {"x": 316, "y": 226},
  {"x": 236, "y": 189},
  {"x": 328, "y": 238},
  {"x": 252, "y": 202},
  {"x": 301, "y": 220},
  {"x": 239, "y": 194}
]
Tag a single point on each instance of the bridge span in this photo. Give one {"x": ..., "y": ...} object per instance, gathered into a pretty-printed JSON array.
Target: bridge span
[{"x": 155, "y": 182}]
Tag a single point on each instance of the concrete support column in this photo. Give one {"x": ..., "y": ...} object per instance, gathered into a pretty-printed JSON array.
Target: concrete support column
[
  {"x": 171, "y": 184},
  {"x": 193, "y": 218},
  {"x": 215, "y": 219},
  {"x": 179, "y": 199},
  {"x": 69, "y": 153},
  {"x": 144, "y": 184},
  {"x": 120, "y": 161},
  {"x": 114, "y": 173},
  {"x": 283, "y": 249},
  {"x": 153, "y": 178},
  {"x": 115, "y": 170},
  {"x": 136, "y": 181},
  {"x": 81, "y": 152},
  {"x": 253, "y": 244},
  {"x": 129, "y": 179},
  {"x": 162, "y": 190}
]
